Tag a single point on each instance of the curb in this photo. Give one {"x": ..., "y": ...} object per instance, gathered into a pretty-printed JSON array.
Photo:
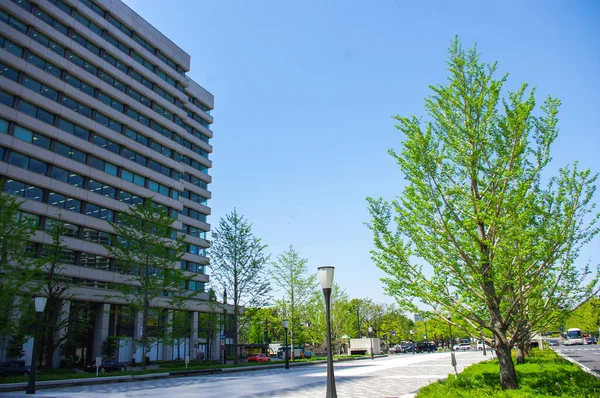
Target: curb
[
  {"x": 583, "y": 367},
  {"x": 10, "y": 387}
]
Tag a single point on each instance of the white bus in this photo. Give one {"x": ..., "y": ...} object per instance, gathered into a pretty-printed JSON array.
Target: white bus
[{"x": 573, "y": 337}]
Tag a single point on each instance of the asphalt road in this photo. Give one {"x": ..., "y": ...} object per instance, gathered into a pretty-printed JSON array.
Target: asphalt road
[
  {"x": 587, "y": 355},
  {"x": 394, "y": 376}
]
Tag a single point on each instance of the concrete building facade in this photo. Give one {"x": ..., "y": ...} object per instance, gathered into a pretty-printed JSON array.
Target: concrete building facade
[{"x": 97, "y": 114}]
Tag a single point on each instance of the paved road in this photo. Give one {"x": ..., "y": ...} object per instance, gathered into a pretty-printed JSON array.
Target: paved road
[
  {"x": 587, "y": 355},
  {"x": 393, "y": 376}
]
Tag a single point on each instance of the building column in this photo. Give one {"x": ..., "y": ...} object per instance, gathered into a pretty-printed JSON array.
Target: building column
[
  {"x": 101, "y": 327},
  {"x": 194, "y": 336},
  {"x": 217, "y": 354},
  {"x": 168, "y": 342},
  {"x": 63, "y": 320}
]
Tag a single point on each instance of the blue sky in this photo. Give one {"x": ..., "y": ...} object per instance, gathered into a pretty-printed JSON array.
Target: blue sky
[{"x": 305, "y": 90}]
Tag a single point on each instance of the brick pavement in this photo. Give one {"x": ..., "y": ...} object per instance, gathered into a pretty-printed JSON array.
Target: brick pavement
[{"x": 394, "y": 376}]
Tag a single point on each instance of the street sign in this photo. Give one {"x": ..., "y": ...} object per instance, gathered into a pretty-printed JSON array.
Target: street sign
[
  {"x": 222, "y": 347},
  {"x": 222, "y": 336},
  {"x": 424, "y": 336},
  {"x": 393, "y": 332}
]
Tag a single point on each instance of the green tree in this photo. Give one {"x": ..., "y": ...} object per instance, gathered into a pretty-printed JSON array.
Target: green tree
[
  {"x": 476, "y": 234},
  {"x": 586, "y": 317},
  {"x": 148, "y": 251},
  {"x": 290, "y": 275},
  {"x": 239, "y": 265},
  {"x": 341, "y": 323},
  {"x": 17, "y": 265},
  {"x": 55, "y": 287}
]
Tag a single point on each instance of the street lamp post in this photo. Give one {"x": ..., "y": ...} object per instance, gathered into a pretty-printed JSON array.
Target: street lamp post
[
  {"x": 40, "y": 305},
  {"x": 285, "y": 327},
  {"x": 326, "y": 279},
  {"x": 371, "y": 338},
  {"x": 412, "y": 343}
]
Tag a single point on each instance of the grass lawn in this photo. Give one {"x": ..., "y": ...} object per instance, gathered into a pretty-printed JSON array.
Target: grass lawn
[{"x": 544, "y": 374}]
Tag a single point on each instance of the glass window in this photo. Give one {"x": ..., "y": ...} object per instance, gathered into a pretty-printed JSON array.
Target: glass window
[
  {"x": 13, "y": 48},
  {"x": 37, "y": 166},
  {"x": 72, "y": 80},
  {"x": 56, "y": 199},
  {"x": 60, "y": 27},
  {"x": 153, "y": 186},
  {"x": 105, "y": 99},
  {"x": 57, "y": 48},
  {"x": 92, "y": 210},
  {"x": 19, "y": 160},
  {"x": 35, "y": 60},
  {"x": 73, "y": 205},
  {"x": 49, "y": 93},
  {"x": 6, "y": 98},
  {"x": 106, "y": 214},
  {"x": 89, "y": 90},
  {"x": 65, "y": 125},
  {"x": 45, "y": 116},
  {"x": 127, "y": 175},
  {"x": 69, "y": 103},
  {"x": 23, "y": 134},
  {"x": 10, "y": 73},
  {"x": 163, "y": 190},
  {"x": 113, "y": 147},
  {"x": 41, "y": 141},
  {"x": 97, "y": 163},
  {"x": 14, "y": 187},
  {"x": 100, "y": 118},
  {"x": 62, "y": 149},
  {"x": 111, "y": 169},
  {"x": 139, "y": 180},
  {"x": 60, "y": 174},
  {"x": 52, "y": 69},
  {"x": 27, "y": 108},
  {"x": 3, "y": 126},
  {"x": 34, "y": 193},
  {"x": 76, "y": 180},
  {"x": 84, "y": 110},
  {"x": 78, "y": 155},
  {"x": 90, "y": 68},
  {"x": 81, "y": 133}
]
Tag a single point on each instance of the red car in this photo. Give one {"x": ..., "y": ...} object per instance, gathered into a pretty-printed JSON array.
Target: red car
[{"x": 259, "y": 358}]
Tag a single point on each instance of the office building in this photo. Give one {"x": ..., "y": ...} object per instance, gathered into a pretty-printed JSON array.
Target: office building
[{"x": 97, "y": 114}]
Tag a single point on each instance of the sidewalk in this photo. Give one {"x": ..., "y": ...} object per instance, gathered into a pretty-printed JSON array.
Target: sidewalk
[{"x": 93, "y": 380}]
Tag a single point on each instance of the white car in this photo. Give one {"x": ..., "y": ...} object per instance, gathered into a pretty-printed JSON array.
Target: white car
[
  {"x": 462, "y": 347},
  {"x": 480, "y": 346}
]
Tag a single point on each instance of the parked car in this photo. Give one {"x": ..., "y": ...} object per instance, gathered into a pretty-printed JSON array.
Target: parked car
[
  {"x": 462, "y": 347},
  {"x": 259, "y": 358},
  {"x": 426, "y": 347},
  {"x": 108, "y": 365},
  {"x": 14, "y": 368},
  {"x": 480, "y": 345},
  {"x": 554, "y": 342}
]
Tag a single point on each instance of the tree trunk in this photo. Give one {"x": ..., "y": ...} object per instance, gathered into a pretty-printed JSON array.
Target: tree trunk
[
  {"x": 236, "y": 312},
  {"x": 508, "y": 376},
  {"x": 520, "y": 354}
]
